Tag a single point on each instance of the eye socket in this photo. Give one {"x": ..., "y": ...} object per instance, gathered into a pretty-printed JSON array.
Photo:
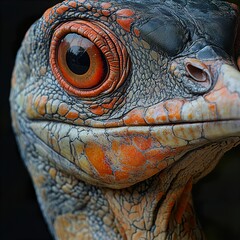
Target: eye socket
[{"x": 87, "y": 59}]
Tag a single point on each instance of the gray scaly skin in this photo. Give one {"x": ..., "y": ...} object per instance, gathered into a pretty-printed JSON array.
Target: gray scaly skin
[{"x": 117, "y": 159}]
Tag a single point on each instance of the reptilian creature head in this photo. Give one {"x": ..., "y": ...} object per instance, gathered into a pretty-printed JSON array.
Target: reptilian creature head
[{"x": 120, "y": 106}]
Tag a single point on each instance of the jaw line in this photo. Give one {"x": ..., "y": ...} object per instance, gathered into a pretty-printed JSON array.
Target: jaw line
[
  {"x": 63, "y": 163},
  {"x": 172, "y": 139}
]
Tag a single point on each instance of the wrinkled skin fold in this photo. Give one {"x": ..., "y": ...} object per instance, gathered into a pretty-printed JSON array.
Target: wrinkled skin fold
[{"x": 116, "y": 133}]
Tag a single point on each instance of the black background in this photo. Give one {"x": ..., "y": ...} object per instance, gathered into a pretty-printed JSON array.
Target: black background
[{"x": 216, "y": 197}]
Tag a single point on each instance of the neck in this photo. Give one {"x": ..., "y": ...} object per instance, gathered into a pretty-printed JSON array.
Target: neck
[
  {"x": 162, "y": 207},
  {"x": 143, "y": 214}
]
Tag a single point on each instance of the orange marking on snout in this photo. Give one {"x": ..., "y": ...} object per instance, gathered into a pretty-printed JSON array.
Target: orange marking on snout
[
  {"x": 96, "y": 157},
  {"x": 156, "y": 114},
  {"x": 125, "y": 12},
  {"x": 125, "y": 23},
  {"x": 135, "y": 117},
  {"x": 217, "y": 96},
  {"x": 174, "y": 109}
]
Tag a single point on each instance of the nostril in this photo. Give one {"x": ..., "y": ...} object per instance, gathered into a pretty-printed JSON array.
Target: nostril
[
  {"x": 198, "y": 76},
  {"x": 197, "y": 73}
]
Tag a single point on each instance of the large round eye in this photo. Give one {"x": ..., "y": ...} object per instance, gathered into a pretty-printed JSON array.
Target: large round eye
[
  {"x": 81, "y": 62},
  {"x": 87, "y": 59}
]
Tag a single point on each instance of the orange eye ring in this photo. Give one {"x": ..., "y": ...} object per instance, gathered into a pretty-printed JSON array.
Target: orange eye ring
[{"x": 108, "y": 59}]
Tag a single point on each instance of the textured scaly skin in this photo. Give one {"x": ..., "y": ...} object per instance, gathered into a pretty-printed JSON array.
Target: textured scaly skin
[{"x": 121, "y": 165}]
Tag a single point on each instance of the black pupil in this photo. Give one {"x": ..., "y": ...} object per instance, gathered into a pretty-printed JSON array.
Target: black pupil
[{"x": 78, "y": 60}]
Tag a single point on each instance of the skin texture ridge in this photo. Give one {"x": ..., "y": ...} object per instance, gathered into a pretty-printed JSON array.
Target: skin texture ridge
[{"x": 120, "y": 107}]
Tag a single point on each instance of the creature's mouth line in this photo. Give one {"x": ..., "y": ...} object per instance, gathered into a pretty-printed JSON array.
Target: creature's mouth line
[
  {"x": 71, "y": 147},
  {"x": 180, "y": 123}
]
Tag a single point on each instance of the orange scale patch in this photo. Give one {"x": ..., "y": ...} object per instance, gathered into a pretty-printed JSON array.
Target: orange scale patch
[
  {"x": 111, "y": 104},
  {"x": 216, "y": 96},
  {"x": 130, "y": 156},
  {"x": 127, "y": 172},
  {"x": 156, "y": 114},
  {"x": 63, "y": 109},
  {"x": 88, "y": 6},
  {"x": 174, "y": 108},
  {"x": 96, "y": 157},
  {"x": 156, "y": 155},
  {"x": 72, "y": 115},
  {"x": 106, "y": 13},
  {"x": 99, "y": 110},
  {"x": 47, "y": 14},
  {"x": 121, "y": 175},
  {"x": 106, "y": 5},
  {"x": 62, "y": 9},
  {"x": 212, "y": 107},
  {"x": 116, "y": 146},
  {"x": 125, "y": 23},
  {"x": 35, "y": 101},
  {"x": 72, "y": 4},
  {"x": 29, "y": 109},
  {"x": 135, "y": 117},
  {"x": 142, "y": 143},
  {"x": 136, "y": 32},
  {"x": 42, "y": 104},
  {"x": 125, "y": 13}
]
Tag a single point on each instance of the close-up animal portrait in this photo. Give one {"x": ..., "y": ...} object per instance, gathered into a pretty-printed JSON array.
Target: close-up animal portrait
[{"x": 120, "y": 120}]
